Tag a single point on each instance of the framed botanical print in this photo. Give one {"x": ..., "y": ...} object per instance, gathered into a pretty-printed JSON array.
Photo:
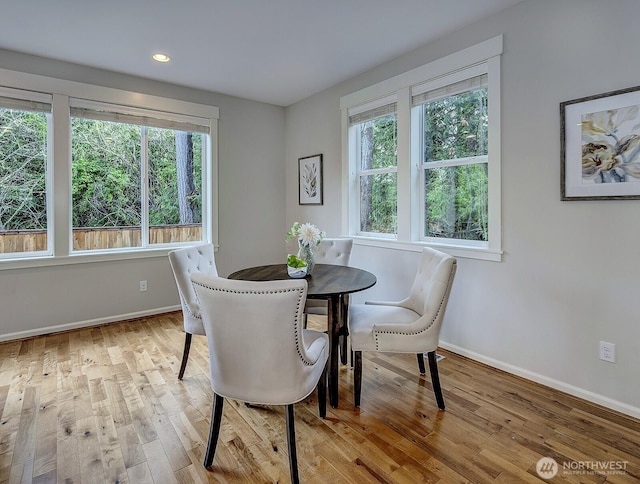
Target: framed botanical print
[{"x": 310, "y": 180}]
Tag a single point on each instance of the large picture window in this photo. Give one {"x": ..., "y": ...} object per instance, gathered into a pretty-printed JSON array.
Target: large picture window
[
  {"x": 425, "y": 168},
  {"x": 112, "y": 175},
  {"x": 136, "y": 180}
]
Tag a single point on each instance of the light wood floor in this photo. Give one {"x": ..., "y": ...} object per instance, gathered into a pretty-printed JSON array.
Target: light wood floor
[{"x": 104, "y": 405}]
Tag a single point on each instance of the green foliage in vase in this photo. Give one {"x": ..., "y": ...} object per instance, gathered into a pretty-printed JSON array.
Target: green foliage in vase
[{"x": 295, "y": 261}]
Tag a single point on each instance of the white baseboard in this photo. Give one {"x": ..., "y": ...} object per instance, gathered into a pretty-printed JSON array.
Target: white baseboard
[
  {"x": 543, "y": 380},
  {"x": 85, "y": 324}
]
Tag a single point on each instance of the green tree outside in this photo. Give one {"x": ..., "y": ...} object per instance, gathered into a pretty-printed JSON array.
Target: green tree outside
[{"x": 106, "y": 173}]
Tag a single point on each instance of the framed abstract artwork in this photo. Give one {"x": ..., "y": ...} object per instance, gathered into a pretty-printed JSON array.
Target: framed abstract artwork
[
  {"x": 310, "y": 180},
  {"x": 600, "y": 146}
]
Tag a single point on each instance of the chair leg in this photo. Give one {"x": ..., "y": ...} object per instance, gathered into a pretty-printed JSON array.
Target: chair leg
[
  {"x": 185, "y": 354},
  {"x": 357, "y": 377},
  {"x": 344, "y": 342},
  {"x": 291, "y": 442},
  {"x": 322, "y": 393},
  {"x": 435, "y": 379},
  {"x": 214, "y": 430},
  {"x": 421, "y": 364}
]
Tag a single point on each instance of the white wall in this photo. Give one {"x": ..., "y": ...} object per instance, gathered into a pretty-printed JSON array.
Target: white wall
[
  {"x": 568, "y": 278},
  {"x": 251, "y": 217}
]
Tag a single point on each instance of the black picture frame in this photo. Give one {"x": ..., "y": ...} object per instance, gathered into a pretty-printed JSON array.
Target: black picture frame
[{"x": 310, "y": 182}]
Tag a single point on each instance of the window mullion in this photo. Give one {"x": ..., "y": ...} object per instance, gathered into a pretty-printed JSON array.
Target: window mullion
[
  {"x": 379, "y": 171},
  {"x": 144, "y": 186},
  {"x": 417, "y": 174},
  {"x": 59, "y": 225},
  {"x": 404, "y": 164},
  {"x": 455, "y": 162}
]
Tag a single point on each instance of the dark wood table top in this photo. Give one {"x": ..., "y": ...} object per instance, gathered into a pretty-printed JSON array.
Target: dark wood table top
[{"x": 327, "y": 279}]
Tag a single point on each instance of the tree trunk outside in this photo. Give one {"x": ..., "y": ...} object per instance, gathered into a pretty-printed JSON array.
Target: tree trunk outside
[
  {"x": 184, "y": 169},
  {"x": 366, "y": 181},
  {"x": 450, "y": 212}
]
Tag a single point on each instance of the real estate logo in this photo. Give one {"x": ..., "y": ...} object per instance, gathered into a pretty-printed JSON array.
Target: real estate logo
[{"x": 547, "y": 468}]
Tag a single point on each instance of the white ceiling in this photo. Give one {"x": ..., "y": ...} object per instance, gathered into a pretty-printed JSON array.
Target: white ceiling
[{"x": 275, "y": 51}]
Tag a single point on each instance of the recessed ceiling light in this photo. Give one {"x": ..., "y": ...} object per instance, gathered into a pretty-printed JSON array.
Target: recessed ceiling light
[{"x": 161, "y": 57}]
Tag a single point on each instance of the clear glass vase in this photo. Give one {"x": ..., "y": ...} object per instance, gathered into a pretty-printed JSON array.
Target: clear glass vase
[{"x": 305, "y": 252}]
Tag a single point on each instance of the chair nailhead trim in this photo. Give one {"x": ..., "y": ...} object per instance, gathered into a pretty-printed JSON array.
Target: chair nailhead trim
[
  {"x": 416, "y": 332},
  {"x": 271, "y": 291}
]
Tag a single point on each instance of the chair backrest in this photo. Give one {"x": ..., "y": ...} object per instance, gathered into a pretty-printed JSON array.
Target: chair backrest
[
  {"x": 432, "y": 285},
  {"x": 333, "y": 251},
  {"x": 257, "y": 352},
  {"x": 187, "y": 261}
]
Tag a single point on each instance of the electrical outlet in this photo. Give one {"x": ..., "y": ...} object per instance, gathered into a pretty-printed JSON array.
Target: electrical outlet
[
  {"x": 143, "y": 286},
  {"x": 608, "y": 351}
]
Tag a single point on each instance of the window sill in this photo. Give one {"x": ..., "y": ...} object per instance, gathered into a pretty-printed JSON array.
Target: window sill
[
  {"x": 86, "y": 258},
  {"x": 462, "y": 251}
]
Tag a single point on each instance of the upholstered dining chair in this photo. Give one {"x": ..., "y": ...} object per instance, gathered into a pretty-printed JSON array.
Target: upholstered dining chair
[
  {"x": 185, "y": 262},
  {"x": 411, "y": 325},
  {"x": 331, "y": 251},
  {"x": 259, "y": 352}
]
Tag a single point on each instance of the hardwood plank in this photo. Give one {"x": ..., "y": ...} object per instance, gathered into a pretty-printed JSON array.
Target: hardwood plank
[
  {"x": 159, "y": 465},
  {"x": 130, "y": 446},
  {"x": 46, "y": 437},
  {"x": 340, "y": 461},
  {"x": 81, "y": 397},
  {"x": 89, "y": 455},
  {"x": 171, "y": 444},
  {"x": 5, "y": 466},
  {"x": 67, "y": 453},
  {"x": 508, "y": 471},
  {"x": 186, "y": 432},
  {"x": 113, "y": 464},
  {"x": 21, "y": 472},
  {"x": 118, "y": 406},
  {"x": 24, "y": 449},
  {"x": 188, "y": 475},
  {"x": 46, "y": 478},
  {"x": 140, "y": 474}
]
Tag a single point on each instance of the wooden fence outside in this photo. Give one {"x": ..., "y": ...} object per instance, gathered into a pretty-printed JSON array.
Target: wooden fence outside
[{"x": 94, "y": 238}]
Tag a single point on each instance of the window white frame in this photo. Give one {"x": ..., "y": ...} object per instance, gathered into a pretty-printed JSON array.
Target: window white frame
[
  {"x": 417, "y": 137},
  {"x": 59, "y": 188},
  {"x": 467, "y": 63},
  {"x": 23, "y": 97},
  {"x": 389, "y": 107},
  {"x": 144, "y": 118}
]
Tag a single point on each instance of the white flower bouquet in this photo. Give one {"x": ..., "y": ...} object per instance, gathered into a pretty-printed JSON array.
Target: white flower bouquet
[{"x": 306, "y": 233}]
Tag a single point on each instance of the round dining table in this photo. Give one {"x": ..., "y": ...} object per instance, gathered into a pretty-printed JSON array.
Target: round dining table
[{"x": 332, "y": 283}]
